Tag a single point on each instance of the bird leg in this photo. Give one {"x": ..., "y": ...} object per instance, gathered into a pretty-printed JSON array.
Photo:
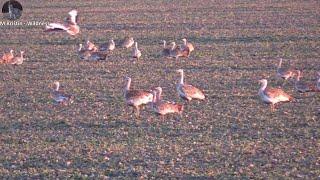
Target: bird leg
[
  {"x": 138, "y": 111},
  {"x": 272, "y": 107},
  {"x": 180, "y": 115},
  {"x": 162, "y": 117}
]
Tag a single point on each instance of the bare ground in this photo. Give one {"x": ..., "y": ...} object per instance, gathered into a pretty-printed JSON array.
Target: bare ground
[{"x": 231, "y": 134}]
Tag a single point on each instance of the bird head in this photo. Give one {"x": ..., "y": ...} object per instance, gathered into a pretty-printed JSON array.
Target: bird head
[
  {"x": 179, "y": 70},
  {"x": 56, "y": 85},
  {"x": 159, "y": 89},
  {"x": 263, "y": 81},
  {"x": 73, "y": 13}
]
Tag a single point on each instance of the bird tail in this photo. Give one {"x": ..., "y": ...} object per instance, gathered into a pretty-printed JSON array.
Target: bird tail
[
  {"x": 314, "y": 89},
  {"x": 186, "y": 52},
  {"x": 291, "y": 98}
]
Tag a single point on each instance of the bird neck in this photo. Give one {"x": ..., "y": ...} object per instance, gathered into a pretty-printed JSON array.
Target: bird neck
[
  {"x": 159, "y": 95},
  {"x": 298, "y": 76},
  {"x": 263, "y": 86},
  {"x": 164, "y": 44},
  {"x": 73, "y": 19},
  {"x": 185, "y": 43},
  {"x": 57, "y": 87},
  {"x": 21, "y": 55},
  {"x": 128, "y": 85},
  {"x": 154, "y": 98},
  {"x": 173, "y": 46},
  {"x": 280, "y": 63},
  {"x": 181, "y": 77}
]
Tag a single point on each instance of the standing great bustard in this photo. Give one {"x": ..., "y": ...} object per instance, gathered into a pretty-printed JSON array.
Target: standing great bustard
[
  {"x": 284, "y": 73},
  {"x": 163, "y": 107},
  {"x": 303, "y": 86},
  {"x": 71, "y": 26},
  {"x": 187, "y": 91},
  {"x": 18, "y": 60},
  {"x": 7, "y": 57},
  {"x": 188, "y": 47},
  {"x": 272, "y": 96},
  {"x": 110, "y": 46},
  {"x": 136, "y": 53},
  {"x": 60, "y": 97},
  {"x": 136, "y": 98},
  {"x": 127, "y": 42}
]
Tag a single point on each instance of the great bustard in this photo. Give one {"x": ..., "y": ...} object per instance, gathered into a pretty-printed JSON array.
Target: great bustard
[
  {"x": 187, "y": 91},
  {"x": 85, "y": 54},
  {"x": 272, "y": 96},
  {"x": 7, "y": 57},
  {"x": 127, "y": 42},
  {"x": 284, "y": 73},
  {"x": 91, "y": 46},
  {"x": 110, "y": 46},
  {"x": 302, "y": 86},
  {"x": 187, "y": 47},
  {"x": 136, "y": 98},
  {"x": 161, "y": 107},
  {"x": 136, "y": 53},
  {"x": 60, "y": 97},
  {"x": 18, "y": 60},
  {"x": 71, "y": 26},
  {"x": 176, "y": 51}
]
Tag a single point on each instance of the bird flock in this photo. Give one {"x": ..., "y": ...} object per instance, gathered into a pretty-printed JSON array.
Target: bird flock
[
  {"x": 273, "y": 96},
  {"x": 9, "y": 58},
  {"x": 137, "y": 98}
]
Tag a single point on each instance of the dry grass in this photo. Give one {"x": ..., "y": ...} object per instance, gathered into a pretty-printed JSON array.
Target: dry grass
[{"x": 230, "y": 135}]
